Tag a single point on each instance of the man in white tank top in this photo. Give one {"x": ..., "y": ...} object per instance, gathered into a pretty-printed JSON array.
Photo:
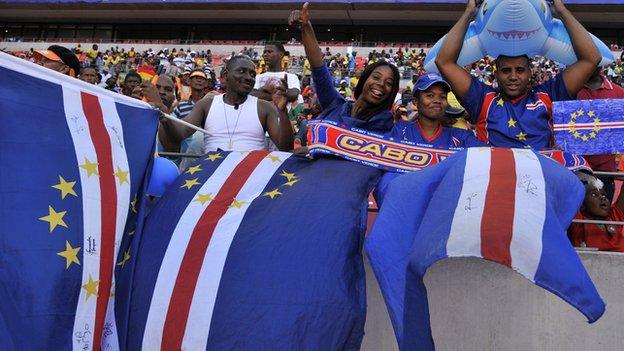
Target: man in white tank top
[{"x": 237, "y": 120}]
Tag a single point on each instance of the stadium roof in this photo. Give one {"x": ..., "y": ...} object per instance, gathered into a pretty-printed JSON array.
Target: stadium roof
[{"x": 607, "y": 13}]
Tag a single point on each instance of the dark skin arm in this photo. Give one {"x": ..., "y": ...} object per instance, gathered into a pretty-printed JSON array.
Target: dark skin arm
[
  {"x": 586, "y": 52},
  {"x": 266, "y": 93},
  {"x": 177, "y": 132},
  {"x": 274, "y": 118},
  {"x": 301, "y": 19},
  {"x": 446, "y": 60}
]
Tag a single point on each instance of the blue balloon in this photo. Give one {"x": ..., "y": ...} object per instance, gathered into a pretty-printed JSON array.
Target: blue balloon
[
  {"x": 164, "y": 172},
  {"x": 515, "y": 28}
]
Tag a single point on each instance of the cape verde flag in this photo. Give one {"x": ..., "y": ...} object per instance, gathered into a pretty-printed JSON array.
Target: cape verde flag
[
  {"x": 589, "y": 127},
  {"x": 254, "y": 251},
  {"x": 73, "y": 159},
  {"x": 510, "y": 206}
]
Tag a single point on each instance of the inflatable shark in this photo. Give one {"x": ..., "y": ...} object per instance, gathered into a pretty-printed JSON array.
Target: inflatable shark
[{"x": 515, "y": 28}]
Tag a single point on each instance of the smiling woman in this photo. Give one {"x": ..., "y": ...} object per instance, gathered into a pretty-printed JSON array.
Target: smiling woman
[{"x": 374, "y": 93}]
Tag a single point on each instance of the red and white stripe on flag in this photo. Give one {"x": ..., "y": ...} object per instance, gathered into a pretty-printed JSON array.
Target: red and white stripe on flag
[
  {"x": 501, "y": 209},
  {"x": 188, "y": 280},
  {"x": 97, "y": 135}
]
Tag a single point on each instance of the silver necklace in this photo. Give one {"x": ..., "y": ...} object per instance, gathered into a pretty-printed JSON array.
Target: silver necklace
[{"x": 230, "y": 135}]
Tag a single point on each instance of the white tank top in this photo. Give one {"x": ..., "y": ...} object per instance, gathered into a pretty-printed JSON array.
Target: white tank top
[{"x": 226, "y": 133}]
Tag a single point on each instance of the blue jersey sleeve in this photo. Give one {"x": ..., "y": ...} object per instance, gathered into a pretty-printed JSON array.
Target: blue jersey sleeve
[
  {"x": 555, "y": 88},
  {"x": 324, "y": 87},
  {"x": 473, "y": 100}
]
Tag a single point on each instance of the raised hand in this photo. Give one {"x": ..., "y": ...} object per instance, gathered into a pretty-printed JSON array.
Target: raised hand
[{"x": 300, "y": 18}]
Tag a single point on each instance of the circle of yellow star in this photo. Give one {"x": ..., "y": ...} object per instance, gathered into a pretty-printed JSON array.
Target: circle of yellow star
[
  {"x": 121, "y": 175},
  {"x": 70, "y": 254},
  {"x": 511, "y": 123},
  {"x": 272, "y": 194},
  {"x": 91, "y": 287},
  {"x": 292, "y": 182},
  {"x": 194, "y": 169},
  {"x": 203, "y": 198},
  {"x": 66, "y": 188},
  {"x": 54, "y": 218},
  {"x": 90, "y": 167},
  {"x": 189, "y": 183},
  {"x": 521, "y": 136},
  {"x": 273, "y": 158},
  {"x": 237, "y": 204},
  {"x": 213, "y": 157},
  {"x": 289, "y": 176},
  {"x": 126, "y": 257}
]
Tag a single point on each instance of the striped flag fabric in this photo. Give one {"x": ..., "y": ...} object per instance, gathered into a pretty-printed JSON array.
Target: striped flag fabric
[
  {"x": 510, "y": 206},
  {"x": 254, "y": 251},
  {"x": 589, "y": 127},
  {"x": 74, "y": 157}
]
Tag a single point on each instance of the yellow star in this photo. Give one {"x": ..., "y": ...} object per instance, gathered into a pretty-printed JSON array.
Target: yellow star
[
  {"x": 193, "y": 170},
  {"x": 289, "y": 176},
  {"x": 54, "y": 218},
  {"x": 273, "y": 158},
  {"x": 511, "y": 122},
  {"x": 237, "y": 204},
  {"x": 121, "y": 175},
  {"x": 580, "y": 112},
  {"x": 573, "y": 115},
  {"x": 596, "y": 120},
  {"x": 126, "y": 257},
  {"x": 70, "y": 254},
  {"x": 203, "y": 198},
  {"x": 584, "y": 138},
  {"x": 213, "y": 157},
  {"x": 500, "y": 102},
  {"x": 576, "y": 135},
  {"x": 66, "y": 188},
  {"x": 272, "y": 194},
  {"x": 292, "y": 182},
  {"x": 189, "y": 183},
  {"x": 521, "y": 136},
  {"x": 592, "y": 135},
  {"x": 572, "y": 130},
  {"x": 596, "y": 128},
  {"x": 90, "y": 167},
  {"x": 91, "y": 287},
  {"x": 591, "y": 114},
  {"x": 133, "y": 204}
]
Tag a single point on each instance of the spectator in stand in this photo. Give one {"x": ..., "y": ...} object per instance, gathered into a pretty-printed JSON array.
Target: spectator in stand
[
  {"x": 131, "y": 81},
  {"x": 60, "y": 59},
  {"x": 237, "y": 120},
  {"x": 89, "y": 75},
  {"x": 374, "y": 93},
  {"x": 501, "y": 116},
  {"x": 92, "y": 53},
  {"x": 597, "y": 206},
  {"x": 197, "y": 81},
  {"x": 430, "y": 92},
  {"x": 599, "y": 87},
  {"x": 267, "y": 82}
]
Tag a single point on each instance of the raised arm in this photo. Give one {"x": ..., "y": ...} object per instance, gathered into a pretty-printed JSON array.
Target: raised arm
[
  {"x": 446, "y": 60},
  {"x": 177, "y": 132},
  {"x": 577, "y": 74},
  {"x": 301, "y": 19}
]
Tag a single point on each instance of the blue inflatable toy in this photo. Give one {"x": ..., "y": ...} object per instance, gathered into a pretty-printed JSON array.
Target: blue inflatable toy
[
  {"x": 164, "y": 172},
  {"x": 515, "y": 28}
]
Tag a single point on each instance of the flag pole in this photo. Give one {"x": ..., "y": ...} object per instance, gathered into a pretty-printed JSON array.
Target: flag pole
[{"x": 184, "y": 123}]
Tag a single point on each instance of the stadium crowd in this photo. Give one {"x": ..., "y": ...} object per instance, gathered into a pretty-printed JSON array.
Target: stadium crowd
[{"x": 385, "y": 91}]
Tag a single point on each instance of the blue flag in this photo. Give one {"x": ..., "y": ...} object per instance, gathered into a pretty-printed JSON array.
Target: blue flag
[
  {"x": 73, "y": 159},
  {"x": 254, "y": 251},
  {"x": 510, "y": 206},
  {"x": 589, "y": 127}
]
